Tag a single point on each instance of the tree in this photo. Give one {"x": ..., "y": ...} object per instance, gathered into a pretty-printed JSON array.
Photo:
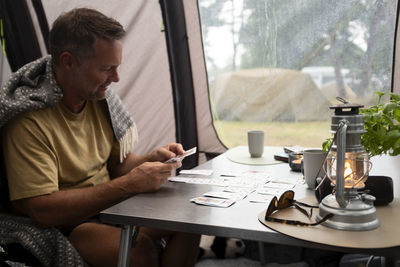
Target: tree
[{"x": 345, "y": 34}]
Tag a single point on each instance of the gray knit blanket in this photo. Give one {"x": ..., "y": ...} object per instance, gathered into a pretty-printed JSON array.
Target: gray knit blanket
[
  {"x": 34, "y": 87},
  {"x": 48, "y": 245}
]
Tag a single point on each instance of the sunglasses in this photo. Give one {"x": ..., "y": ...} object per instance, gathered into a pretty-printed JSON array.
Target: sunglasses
[{"x": 287, "y": 200}]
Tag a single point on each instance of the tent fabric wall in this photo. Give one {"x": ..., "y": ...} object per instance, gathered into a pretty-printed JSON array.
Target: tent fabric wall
[
  {"x": 19, "y": 33},
  {"x": 145, "y": 85},
  {"x": 40, "y": 24},
  {"x": 41, "y": 19},
  {"x": 5, "y": 71},
  {"x": 208, "y": 138}
]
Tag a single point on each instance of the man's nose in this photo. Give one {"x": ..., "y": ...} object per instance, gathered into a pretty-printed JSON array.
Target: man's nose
[{"x": 115, "y": 76}]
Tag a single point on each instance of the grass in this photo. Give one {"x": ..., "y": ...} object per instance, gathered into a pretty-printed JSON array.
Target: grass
[{"x": 306, "y": 134}]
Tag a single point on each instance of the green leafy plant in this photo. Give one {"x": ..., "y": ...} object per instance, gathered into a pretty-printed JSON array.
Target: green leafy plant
[
  {"x": 381, "y": 123},
  {"x": 326, "y": 144}
]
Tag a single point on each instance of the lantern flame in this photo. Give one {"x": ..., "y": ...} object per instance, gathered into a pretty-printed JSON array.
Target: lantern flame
[{"x": 348, "y": 174}]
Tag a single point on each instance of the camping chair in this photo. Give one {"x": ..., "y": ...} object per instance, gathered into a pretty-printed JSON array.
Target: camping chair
[
  {"x": 13, "y": 252},
  {"x": 16, "y": 248}
]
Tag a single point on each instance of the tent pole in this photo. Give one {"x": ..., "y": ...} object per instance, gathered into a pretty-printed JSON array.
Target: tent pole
[{"x": 181, "y": 77}]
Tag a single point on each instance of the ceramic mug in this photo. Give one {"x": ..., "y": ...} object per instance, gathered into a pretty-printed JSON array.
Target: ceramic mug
[
  {"x": 255, "y": 140},
  {"x": 312, "y": 164}
]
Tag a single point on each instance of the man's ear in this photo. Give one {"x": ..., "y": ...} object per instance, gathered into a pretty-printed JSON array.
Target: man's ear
[{"x": 68, "y": 61}]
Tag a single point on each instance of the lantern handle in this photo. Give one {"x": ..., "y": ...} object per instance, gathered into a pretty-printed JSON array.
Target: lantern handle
[
  {"x": 344, "y": 101},
  {"x": 325, "y": 159},
  {"x": 340, "y": 159}
]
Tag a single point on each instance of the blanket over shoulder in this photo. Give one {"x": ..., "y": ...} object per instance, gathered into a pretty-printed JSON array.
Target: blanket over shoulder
[{"x": 34, "y": 87}]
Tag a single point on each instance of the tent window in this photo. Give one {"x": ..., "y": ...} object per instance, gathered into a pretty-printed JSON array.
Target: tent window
[{"x": 277, "y": 65}]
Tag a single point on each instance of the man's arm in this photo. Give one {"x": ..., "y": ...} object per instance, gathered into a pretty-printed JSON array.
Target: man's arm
[
  {"x": 131, "y": 161},
  {"x": 117, "y": 169},
  {"x": 74, "y": 205}
]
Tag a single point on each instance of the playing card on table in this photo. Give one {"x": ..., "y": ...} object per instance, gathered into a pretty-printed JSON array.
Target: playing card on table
[
  {"x": 225, "y": 195},
  {"x": 242, "y": 182},
  {"x": 189, "y": 180},
  {"x": 283, "y": 186},
  {"x": 256, "y": 198},
  {"x": 199, "y": 181},
  {"x": 196, "y": 172},
  {"x": 240, "y": 190},
  {"x": 218, "y": 182},
  {"x": 259, "y": 175},
  {"x": 230, "y": 174},
  {"x": 215, "y": 202},
  {"x": 178, "y": 179},
  {"x": 284, "y": 180},
  {"x": 271, "y": 191}
]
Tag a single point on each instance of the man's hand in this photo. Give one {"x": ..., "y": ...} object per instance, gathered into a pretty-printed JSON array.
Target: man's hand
[
  {"x": 166, "y": 152},
  {"x": 150, "y": 176},
  {"x": 116, "y": 168}
]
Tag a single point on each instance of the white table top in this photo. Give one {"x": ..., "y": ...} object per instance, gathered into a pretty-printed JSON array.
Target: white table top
[{"x": 170, "y": 207}]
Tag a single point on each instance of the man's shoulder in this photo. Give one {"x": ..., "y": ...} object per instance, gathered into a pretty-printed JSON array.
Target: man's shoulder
[{"x": 29, "y": 118}]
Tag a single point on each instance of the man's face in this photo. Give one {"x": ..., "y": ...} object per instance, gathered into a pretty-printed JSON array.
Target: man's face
[{"x": 95, "y": 74}]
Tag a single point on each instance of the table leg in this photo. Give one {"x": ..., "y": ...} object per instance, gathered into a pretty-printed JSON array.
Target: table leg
[
  {"x": 126, "y": 242},
  {"x": 134, "y": 236}
]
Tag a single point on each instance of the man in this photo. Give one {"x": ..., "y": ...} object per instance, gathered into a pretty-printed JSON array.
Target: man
[{"x": 63, "y": 162}]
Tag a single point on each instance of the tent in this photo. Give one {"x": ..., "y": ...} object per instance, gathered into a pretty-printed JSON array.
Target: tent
[{"x": 289, "y": 95}]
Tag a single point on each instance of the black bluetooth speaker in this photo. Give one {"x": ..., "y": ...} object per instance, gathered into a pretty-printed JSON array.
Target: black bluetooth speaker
[{"x": 381, "y": 187}]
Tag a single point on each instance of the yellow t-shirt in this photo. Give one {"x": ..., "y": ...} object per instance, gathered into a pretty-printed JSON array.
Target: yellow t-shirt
[{"x": 53, "y": 149}]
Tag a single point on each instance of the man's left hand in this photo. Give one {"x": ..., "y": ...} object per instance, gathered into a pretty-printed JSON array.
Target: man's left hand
[{"x": 166, "y": 152}]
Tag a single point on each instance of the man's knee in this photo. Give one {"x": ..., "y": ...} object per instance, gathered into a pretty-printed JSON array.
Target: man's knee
[
  {"x": 99, "y": 244},
  {"x": 145, "y": 252},
  {"x": 189, "y": 238}
]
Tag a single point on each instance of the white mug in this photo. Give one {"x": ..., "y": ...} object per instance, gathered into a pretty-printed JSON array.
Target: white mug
[
  {"x": 255, "y": 140},
  {"x": 312, "y": 164}
]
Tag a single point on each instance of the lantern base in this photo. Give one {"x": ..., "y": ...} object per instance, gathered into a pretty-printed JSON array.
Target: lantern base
[{"x": 358, "y": 215}]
